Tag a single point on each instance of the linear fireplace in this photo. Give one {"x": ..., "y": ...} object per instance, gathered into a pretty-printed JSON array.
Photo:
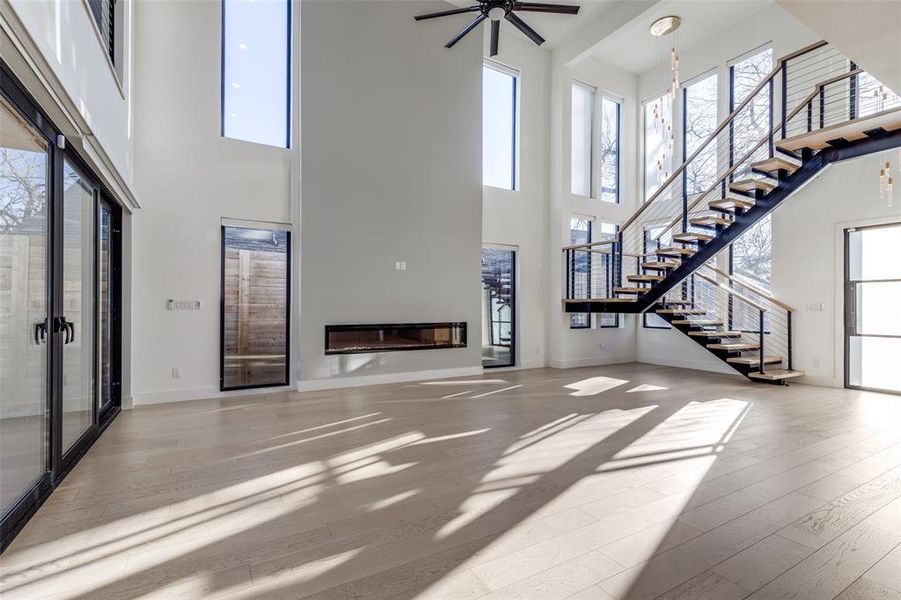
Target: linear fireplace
[{"x": 393, "y": 337}]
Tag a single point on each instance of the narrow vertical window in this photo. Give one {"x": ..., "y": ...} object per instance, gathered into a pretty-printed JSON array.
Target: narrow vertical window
[
  {"x": 104, "y": 13},
  {"x": 498, "y": 307},
  {"x": 499, "y": 126},
  {"x": 658, "y": 142},
  {"x": 610, "y": 130},
  {"x": 256, "y": 270},
  {"x": 655, "y": 237},
  {"x": 744, "y": 76},
  {"x": 604, "y": 287},
  {"x": 581, "y": 138},
  {"x": 698, "y": 124},
  {"x": 580, "y": 233},
  {"x": 256, "y": 45}
]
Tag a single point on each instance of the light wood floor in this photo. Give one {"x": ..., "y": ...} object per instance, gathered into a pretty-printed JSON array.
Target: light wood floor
[{"x": 629, "y": 481}]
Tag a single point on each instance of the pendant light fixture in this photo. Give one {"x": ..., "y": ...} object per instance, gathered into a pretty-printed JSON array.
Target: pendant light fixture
[{"x": 665, "y": 28}]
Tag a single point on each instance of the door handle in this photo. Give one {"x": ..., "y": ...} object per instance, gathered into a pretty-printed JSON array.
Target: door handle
[
  {"x": 62, "y": 325},
  {"x": 40, "y": 332}
]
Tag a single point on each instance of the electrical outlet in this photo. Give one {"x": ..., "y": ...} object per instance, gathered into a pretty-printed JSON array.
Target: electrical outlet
[
  {"x": 176, "y": 372},
  {"x": 816, "y": 363}
]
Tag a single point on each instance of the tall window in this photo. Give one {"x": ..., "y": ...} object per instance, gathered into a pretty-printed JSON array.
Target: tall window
[
  {"x": 610, "y": 130},
  {"x": 498, "y": 307},
  {"x": 256, "y": 46},
  {"x": 499, "y": 126},
  {"x": 255, "y": 291},
  {"x": 581, "y": 138},
  {"x": 607, "y": 232},
  {"x": 699, "y": 122},
  {"x": 752, "y": 253},
  {"x": 104, "y": 13},
  {"x": 580, "y": 233},
  {"x": 658, "y": 145},
  {"x": 873, "y": 97},
  {"x": 655, "y": 237},
  {"x": 744, "y": 76}
]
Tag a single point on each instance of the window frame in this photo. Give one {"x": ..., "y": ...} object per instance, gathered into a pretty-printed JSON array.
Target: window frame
[
  {"x": 598, "y": 321},
  {"x": 618, "y": 102},
  {"x": 288, "y": 79},
  {"x": 644, "y": 146},
  {"x": 590, "y": 220},
  {"x": 593, "y": 127},
  {"x": 703, "y": 76},
  {"x": 488, "y": 63}
]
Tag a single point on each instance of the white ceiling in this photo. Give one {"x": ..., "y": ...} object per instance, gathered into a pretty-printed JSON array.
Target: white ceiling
[{"x": 634, "y": 49}]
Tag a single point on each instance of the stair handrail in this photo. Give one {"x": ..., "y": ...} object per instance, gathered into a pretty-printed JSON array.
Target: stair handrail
[
  {"x": 752, "y": 287},
  {"x": 780, "y": 63},
  {"x": 731, "y": 291}
]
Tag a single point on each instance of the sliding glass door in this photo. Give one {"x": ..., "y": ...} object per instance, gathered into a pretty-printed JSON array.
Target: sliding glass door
[
  {"x": 24, "y": 358},
  {"x": 60, "y": 336},
  {"x": 872, "y": 318}
]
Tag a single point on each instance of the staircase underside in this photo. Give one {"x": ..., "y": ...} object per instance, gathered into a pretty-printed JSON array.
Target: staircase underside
[{"x": 867, "y": 135}]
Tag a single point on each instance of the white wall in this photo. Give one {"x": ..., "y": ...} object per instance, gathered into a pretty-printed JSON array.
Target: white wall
[
  {"x": 189, "y": 178},
  {"x": 56, "y": 49},
  {"x": 581, "y": 347},
  {"x": 391, "y": 146},
  {"x": 808, "y": 257},
  {"x": 519, "y": 218}
]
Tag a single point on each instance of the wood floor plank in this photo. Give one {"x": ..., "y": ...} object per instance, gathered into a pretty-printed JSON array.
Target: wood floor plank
[{"x": 832, "y": 568}]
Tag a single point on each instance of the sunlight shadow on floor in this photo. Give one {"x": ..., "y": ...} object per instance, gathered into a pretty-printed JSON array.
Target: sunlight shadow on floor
[{"x": 594, "y": 385}]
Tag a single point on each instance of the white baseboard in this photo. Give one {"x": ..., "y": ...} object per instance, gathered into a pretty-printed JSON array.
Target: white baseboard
[
  {"x": 128, "y": 403},
  {"x": 202, "y": 393},
  {"x": 590, "y": 362},
  {"x": 313, "y": 385}
]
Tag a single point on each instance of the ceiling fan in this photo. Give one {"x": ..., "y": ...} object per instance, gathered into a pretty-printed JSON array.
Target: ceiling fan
[{"x": 495, "y": 10}]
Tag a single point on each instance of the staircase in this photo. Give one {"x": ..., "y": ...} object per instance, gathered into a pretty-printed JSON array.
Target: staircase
[{"x": 825, "y": 110}]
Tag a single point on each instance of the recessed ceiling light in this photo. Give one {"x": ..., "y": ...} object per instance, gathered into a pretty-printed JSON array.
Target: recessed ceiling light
[{"x": 665, "y": 25}]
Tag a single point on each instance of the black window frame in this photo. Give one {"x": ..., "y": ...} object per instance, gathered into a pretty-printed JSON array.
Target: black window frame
[
  {"x": 105, "y": 27},
  {"x": 587, "y": 316},
  {"x": 288, "y": 267},
  {"x": 60, "y": 461},
  {"x": 619, "y": 150}
]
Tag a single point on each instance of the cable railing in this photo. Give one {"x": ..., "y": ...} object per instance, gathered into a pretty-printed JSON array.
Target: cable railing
[{"x": 818, "y": 88}]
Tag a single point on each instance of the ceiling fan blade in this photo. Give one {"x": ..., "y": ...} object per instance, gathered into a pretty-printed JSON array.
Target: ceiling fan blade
[
  {"x": 466, "y": 30},
  {"x": 521, "y": 25},
  {"x": 447, "y": 13},
  {"x": 495, "y": 30},
  {"x": 563, "y": 9}
]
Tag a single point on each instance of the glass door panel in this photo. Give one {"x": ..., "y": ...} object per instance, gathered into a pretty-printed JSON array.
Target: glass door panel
[
  {"x": 498, "y": 307},
  {"x": 104, "y": 287},
  {"x": 24, "y": 163},
  {"x": 872, "y": 321},
  {"x": 77, "y": 331}
]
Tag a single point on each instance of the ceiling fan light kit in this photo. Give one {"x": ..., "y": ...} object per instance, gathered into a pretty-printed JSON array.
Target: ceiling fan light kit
[{"x": 494, "y": 11}]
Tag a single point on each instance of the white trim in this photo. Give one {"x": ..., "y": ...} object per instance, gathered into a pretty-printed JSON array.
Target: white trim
[
  {"x": 711, "y": 72},
  {"x": 312, "y": 385},
  {"x": 252, "y": 224},
  {"x": 202, "y": 393},
  {"x": 498, "y": 66},
  {"x": 508, "y": 247}
]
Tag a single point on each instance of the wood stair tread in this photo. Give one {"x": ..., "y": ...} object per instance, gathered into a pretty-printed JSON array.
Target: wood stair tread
[
  {"x": 777, "y": 163},
  {"x": 697, "y": 322},
  {"x": 733, "y": 346},
  {"x": 673, "y": 251},
  {"x": 888, "y": 120},
  {"x": 731, "y": 203},
  {"x": 645, "y": 277},
  {"x": 676, "y": 302},
  {"x": 710, "y": 220},
  {"x": 753, "y": 183},
  {"x": 631, "y": 290},
  {"x": 681, "y": 311},
  {"x": 576, "y": 301},
  {"x": 749, "y": 360},
  {"x": 660, "y": 265},
  {"x": 775, "y": 374},
  {"x": 721, "y": 334},
  {"x": 691, "y": 236}
]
